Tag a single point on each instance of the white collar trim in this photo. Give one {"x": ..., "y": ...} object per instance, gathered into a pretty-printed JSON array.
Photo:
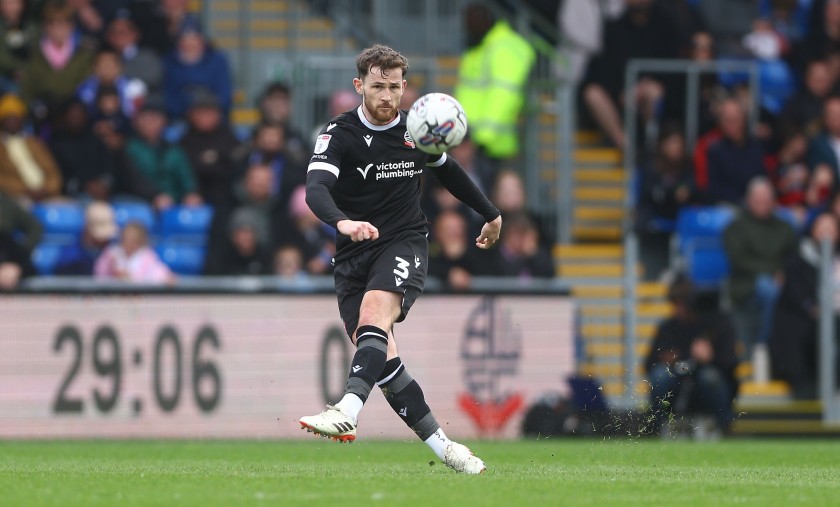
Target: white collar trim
[{"x": 392, "y": 123}]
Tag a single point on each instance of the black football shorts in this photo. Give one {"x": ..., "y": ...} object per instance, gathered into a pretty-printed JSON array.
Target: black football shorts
[{"x": 398, "y": 265}]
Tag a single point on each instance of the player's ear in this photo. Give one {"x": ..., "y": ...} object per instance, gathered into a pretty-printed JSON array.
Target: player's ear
[
  {"x": 405, "y": 84},
  {"x": 357, "y": 83}
]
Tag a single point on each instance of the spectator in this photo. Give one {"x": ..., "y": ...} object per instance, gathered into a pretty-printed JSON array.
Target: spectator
[
  {"x": 735, "y": 159},
  {"x": 107, "y": 71},
  {"x": 825, "y": 148},
  {"x": 245, "y": 250},
  {"x": 27, "y": 169},
  {"x": 520, "y": 249},
  {"x": 757, "y": 244},
  {"x": 801, "y": 191},
  {"x": 275, "y": 105},
  {"x": 138, "y": 62},
  {"x": 314, "y": 239},
  {"x": 14, "y": 263},
  {"x": 89, "y": 15},
  {"x": 17, "y": 36},
  {"x": 581, "y": 23},
  {"x": 803, "y": 111},
  {"x": 824, "y": 35},
  {"x": 479, "y": 171},
  {"x": 193, "y": 65},
  {"x": 452, "y": 259},
  {"x": 164, "y": 164},
  {"x": 132, "y": 259},
  {"x": 269, "y": 148},
  {"x": 691, "y": 364},
  {"x": 728, "y": 20},
  {"x": 288, "y": 264},
  {"x": 667, "y": 185},
  {"x": 643, "y": 31},
  {"x": 160, "y": 22},
  {"x": 341, "y": 100},
  {"x": 108, "y": 120},
  {"x": 87, "y": 167},
  {"x": 100, "y": 229},
  {"x": 494, "y": 70},
  {"x": 209, "y": 144},
  {"x": 793, "y": 340},
  {"x": 60, "y": 63},
  {"x": 19, "y": 223},
  {"x": 509, "y": 196}
]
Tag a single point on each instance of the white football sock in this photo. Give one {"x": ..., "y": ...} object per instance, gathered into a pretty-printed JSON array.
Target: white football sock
[
  {"x": 351, "y": 405},
  {"x": 438, "y": 442}
]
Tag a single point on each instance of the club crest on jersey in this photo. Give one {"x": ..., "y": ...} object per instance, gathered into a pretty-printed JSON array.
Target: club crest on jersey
[
  {"x": 322, "y": 143},
  {"x": 408, "y": 140}
]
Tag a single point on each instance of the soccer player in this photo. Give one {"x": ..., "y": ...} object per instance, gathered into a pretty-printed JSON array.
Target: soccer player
[{"x": 364, "y": 179}]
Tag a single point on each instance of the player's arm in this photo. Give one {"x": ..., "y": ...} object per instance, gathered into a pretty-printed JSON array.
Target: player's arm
[
  {"x": 320, "y": 178},
  {"x": 453, "y": 177}
]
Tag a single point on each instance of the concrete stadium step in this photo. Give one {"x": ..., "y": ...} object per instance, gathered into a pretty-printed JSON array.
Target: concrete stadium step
[
  {"x": 601, "y": 270},
  {"x": 784, "y": 418},
  {"x": 600, "y": 175},
  {"x": 644, "y": 290},
  {"x": 596, "y": 232},
  {"x": 598, "y": 213},
  {"x": 587, "y": 252},
  {"x": 658, "y": 310},
  {"x": 598, "y": 156},
  {"x": 614, "y": 195}
]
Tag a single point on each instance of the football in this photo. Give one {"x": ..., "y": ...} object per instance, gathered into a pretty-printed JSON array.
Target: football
[{"x": 436, "y": 122}]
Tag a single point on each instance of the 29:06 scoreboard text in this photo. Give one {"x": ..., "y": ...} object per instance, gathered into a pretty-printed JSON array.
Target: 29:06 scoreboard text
[{"x": 170, "y": 366}]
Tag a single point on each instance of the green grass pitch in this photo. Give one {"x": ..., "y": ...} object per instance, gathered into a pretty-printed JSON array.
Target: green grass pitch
[{"x": 369, "y": 473}]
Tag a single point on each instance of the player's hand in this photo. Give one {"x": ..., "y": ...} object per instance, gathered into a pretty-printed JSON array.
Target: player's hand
[
  {"x": 489, "y": 234},
  {"x": 357, "y": 231}
]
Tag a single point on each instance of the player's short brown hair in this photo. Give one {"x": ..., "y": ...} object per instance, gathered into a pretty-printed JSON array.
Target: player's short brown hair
[{"x": 382, "y": 57}]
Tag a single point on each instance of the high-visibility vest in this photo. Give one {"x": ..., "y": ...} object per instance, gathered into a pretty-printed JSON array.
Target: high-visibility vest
[{"x": 491, "y": 88}]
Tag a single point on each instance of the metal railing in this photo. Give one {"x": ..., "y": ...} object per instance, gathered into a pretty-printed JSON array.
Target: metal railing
[{"x": 827, "y": 348}]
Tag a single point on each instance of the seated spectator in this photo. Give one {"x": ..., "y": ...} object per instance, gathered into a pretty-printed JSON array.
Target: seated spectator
[
  {"x": 757, "y": 244},
  {"x": 643, "y": 31},
  {"x": 245, "y": 250},
  {"x": 18, "y": 34},
  {"x": 164, "y": 164},
  {"x": 804, "y": 110},
  {"x": 824, "y": 34},
  {"x": 313, "y": 238},
  {"x": 288, "y": 264},
  {"x": 520, "y": 250},
  {"x": 436, "y": 199},
  {"x": 27, "y": 169},
  {"x": 509, "y": 196},
  {"x": 19, "y": 223},
  {"x": 667, "y": 185},
  {"x": 132, "y": 259},
  {"x": 109, "y": 123},
  {"x": 735, "y": 159},
  {"x": 195, "y": 63},
  {"x": 160, "y": 22},
  {"x": 107, "y": 71},
  {"x": 341, "y": 100},
  {"x": 15, "y": 264},
  {"x": 86, "y": 165},
  {"x": 60, "y": 63},
  {"x": 209, "y": 144},
  {"x": 275, "y": 106},
  {"x": 269, "y": 148},
  {"x": 824, "y": 149},
  {"x": 795, "y": 332},
  {"x": 452, "y": 258},
  {"x": 137, "y": 62},
  {"x": 483, "y": 174},
  {"x": 100, "y": 229},
  {"x": 691, "y": 364}
]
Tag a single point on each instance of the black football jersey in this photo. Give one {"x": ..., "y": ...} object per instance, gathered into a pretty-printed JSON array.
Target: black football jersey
[{"x": 377, "y": 171}]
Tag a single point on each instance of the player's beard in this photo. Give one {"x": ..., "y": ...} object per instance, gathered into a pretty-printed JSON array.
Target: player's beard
[{"x": 382, "y": 116}]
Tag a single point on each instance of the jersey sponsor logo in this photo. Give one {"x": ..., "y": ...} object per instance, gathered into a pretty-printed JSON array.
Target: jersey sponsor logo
[
  {"x": 331, "y": 126},
  {"x": 322, "y": 143},
  {"x": 408, "y": 140},
  {"x": 401, "y": 169},
  {"x": 364, "y": 171},
  {"x": 368, "y": 139},
  {"x": 322, "y": 157}
]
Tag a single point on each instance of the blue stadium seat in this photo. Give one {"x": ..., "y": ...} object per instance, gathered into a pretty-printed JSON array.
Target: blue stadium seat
[
  {"x": 186, "y": 224},
  {"x": 699, "y": 244},
  {"x": 777, "y": 84},
  {"x": 181, "y": 258},
  {"x": 45, "y": 257},
  {"x": 134, "y": 211},
  {"x": 706, "y": 262},
  {"x": 63, "y": 222}
]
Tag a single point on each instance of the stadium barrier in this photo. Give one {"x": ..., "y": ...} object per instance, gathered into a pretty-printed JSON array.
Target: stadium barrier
[{"x": 163, "y": 365}]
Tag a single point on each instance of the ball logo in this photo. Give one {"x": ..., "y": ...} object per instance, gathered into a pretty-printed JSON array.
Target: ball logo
[{"x": 438, "y": 133}]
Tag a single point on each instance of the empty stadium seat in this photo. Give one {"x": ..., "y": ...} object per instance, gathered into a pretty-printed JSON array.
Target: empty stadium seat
[
  {"x": 777, "y": 84},
  {"x": 134, "y": 211},
  {"x": 45, "y": 257},
  {"x": 181, "y": 258},
  {"x": 63, "y": 222},
  {"x": 186, "y": 224},
  {"x": 699, "y": 244}
]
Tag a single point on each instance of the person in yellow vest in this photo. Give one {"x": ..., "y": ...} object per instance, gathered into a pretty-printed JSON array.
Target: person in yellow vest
[{"x": 491, "y": 81}]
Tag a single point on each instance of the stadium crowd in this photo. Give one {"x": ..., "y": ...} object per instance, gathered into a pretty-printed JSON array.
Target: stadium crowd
[{"x": 110, "y": 103}]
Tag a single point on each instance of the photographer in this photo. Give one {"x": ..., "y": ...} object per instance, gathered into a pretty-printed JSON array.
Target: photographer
[{"x": 692, "y": 361}]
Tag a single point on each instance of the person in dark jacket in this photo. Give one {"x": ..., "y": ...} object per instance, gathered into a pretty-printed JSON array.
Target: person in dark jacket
[
  {"x": 15, "y": 264},
  {"x": 793, "y": 341},
  {"x": 246, "y": 251},
  {"x": 19, "y": 223},
  {"x": 691, "y": 365},
  {"x": 451, "y": 260},
  {"x": 521, "y": 252},
  {"x": 100, "y": 230}
]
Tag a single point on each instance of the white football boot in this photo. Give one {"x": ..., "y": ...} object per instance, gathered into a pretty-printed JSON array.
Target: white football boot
[
  {"x": 332, "y": 423},
  {"x": 458, "y": 457}
]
